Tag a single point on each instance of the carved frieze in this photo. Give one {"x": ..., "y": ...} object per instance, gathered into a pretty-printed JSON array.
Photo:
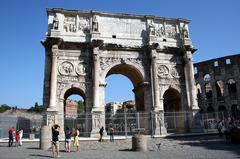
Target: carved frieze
[
  {"x": 106, "y": 62},
  {"x": 156, "y": 29},
  {"x": 170, "y": 31},
  {"x": 83, "y": 25},
  {"x": 69, "y": 24},
  {"x": 66, "y": 68},
  {"x": 163, "y": 70},
  {"x": 68, "y": 79},
  {"x": 95, "y": 23}
]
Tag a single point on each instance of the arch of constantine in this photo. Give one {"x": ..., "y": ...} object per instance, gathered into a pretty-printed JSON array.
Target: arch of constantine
[{"x": 82, "y": 48}]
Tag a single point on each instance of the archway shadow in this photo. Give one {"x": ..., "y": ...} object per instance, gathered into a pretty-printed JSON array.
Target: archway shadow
[
  {"x": 210, "y": 142},
  {"x": 39, "y": 155}
]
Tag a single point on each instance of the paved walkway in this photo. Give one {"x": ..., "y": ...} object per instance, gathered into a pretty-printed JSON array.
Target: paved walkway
[{"x": 194, "y": 147}]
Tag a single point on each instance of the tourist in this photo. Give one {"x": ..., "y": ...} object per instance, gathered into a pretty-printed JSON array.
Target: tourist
[
  {"x": 219, "y": 127},
  {"x": 55, "y": 140},
  {"x": 10, "y": 135},
  {"x": 76, "y": 139},
  {"x": 68, "y": 135},
  {"x": 111, "y": 132},
  {"x": 17, "y": 138},
  {"x": 20, "y": 136},
  {"x": 101, "y": 134}
]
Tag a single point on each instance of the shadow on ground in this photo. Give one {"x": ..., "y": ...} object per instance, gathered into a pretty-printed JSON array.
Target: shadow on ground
[
  {"x": 39, "y": 155},
  {"x": 210, "y": 142}
]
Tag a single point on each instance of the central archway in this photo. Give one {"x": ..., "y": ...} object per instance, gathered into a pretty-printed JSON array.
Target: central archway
[
  {"x": 129, "y": 115},
  {"x": 137, "y": 80}
]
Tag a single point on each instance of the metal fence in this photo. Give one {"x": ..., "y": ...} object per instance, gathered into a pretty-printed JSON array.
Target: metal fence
[
  {"x": 29, "y": 125},
  {"x": 128, "y": 123}
]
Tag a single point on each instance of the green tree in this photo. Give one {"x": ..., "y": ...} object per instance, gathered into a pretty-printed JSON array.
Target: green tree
[
  {"x": 80, "y": 107},
  {"x": 36, "y": 108},
  {"x": 4, "y": 107}
]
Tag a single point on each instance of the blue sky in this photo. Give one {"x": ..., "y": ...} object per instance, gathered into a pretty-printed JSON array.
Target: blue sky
[{"x": 214, "y": 29}]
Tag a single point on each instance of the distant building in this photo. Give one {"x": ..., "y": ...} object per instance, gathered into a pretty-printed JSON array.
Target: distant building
[
  {"x": 112, "y": 107},
  {"x": 218, "y": 86},
  {"x": 71, "y": 109},
  {"x": 129, "y": 105}
]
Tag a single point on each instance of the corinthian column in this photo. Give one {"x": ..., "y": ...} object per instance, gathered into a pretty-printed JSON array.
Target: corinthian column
[
  {"x": 190, "y": 81},
  {"x": 96, "y": 78},
  {"x": 53, "y": 87},
  {"x": 155, "y": 85}
]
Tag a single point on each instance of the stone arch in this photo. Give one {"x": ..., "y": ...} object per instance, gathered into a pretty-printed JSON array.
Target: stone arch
[
  {"x": 79, "y": 120},
  {"x": 74, "y": 91},
  {"x": 136, "y": 77},
  {"x": 219, "y": 88},
  {"x": 210, "y": 109},
  {"x": 207, "y": 77},
  {"x": 232, "y": 88},
  {"x": 234, "y": 107},
  {"x": 76, "y": 87},
  {"x": 115, "y": 67},
  {"x": 208, "y": 90},
  {"x": 222, "y": 108},
  {"x": 172, "y": 100},
  {"x": 235, "y": 112},
  {"x": 199, "y": 90}
]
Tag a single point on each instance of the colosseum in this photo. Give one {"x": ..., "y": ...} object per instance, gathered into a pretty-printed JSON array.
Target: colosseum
[{"x": 218, "y": 87}]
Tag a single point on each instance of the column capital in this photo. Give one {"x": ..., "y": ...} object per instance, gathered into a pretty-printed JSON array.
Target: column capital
[
  {"x": 188, "y": 56},
  {"x": 54, "y": 50}
]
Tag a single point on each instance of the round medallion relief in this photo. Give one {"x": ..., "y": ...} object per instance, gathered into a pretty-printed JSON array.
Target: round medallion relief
[
  {"x": 82, "y": 68},
  {"x": 66, "y": 68}
]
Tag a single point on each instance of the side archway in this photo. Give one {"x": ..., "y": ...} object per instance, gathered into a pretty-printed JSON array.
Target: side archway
[
  {"x": 172, "y": 106},
  {"x": 75, "y": 110},
  {"x": 172, "y": 100}
]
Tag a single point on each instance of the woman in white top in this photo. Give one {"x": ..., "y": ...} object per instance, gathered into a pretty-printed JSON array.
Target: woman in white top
[{"x": 20, "y": 136}]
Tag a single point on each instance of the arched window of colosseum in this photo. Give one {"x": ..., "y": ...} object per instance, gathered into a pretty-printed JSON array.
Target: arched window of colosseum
[
  {"x": 228, "y": 61},
  {"x": 232, "y": 88},
  {"x": 234, "y": 107},
  {"x": 199, "y": 91},
  {"x": 208, "y": 90},
  {"x": 235, "y": 112},
  {"x": 201, "y": 110},
  {"x": 216, "y": 64},
  {"x": 219, "y": 88},
  {"x": 207, "y": 77},
  {"x": 222, "y": 108},
  {"x": 210, "y": 109},
  {"x": 195, "y": 70}
]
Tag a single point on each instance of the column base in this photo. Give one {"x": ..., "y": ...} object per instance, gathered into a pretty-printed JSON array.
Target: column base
[
  {"x": 159, "y": 128},
  {"x": 98, "y": 121},
  {"x": 194, "y": 122}
]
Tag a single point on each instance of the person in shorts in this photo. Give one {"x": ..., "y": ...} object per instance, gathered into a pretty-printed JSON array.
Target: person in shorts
[
  {"x": 55, "y": 140},
  {"x": 68, "y": 135}
]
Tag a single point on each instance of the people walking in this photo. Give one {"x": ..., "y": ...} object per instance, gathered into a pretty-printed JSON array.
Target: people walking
[
  {"x": 10, "y": 136},
  {"x": 55, "y": 140},
  {"x": 76, "y": 139},
  {"x": 219, "y": 127},
  {"x": 111, "y": 132},
  {"x": 17, "y": 138},
  {"x": 68, "y": 135},
  {"x": 20, "y": 136},
  {"x": 101, "y": 134}
]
